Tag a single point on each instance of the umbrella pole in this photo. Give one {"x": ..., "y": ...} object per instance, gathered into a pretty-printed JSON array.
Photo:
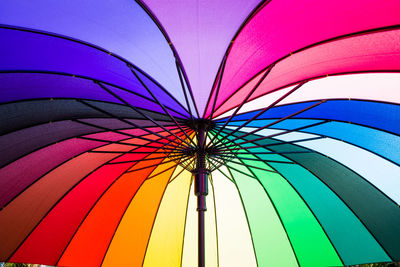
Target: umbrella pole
[{"x": 201, "y": 190}]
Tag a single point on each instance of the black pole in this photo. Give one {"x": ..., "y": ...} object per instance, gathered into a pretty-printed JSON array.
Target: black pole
[{"x": 201, "y": 188}]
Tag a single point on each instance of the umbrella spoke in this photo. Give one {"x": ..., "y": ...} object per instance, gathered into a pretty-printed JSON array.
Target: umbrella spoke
[
  {"x": 245, "y": 100},
  {"x": 178, "y": 68},
  {"x": 161, "y": 105},
  {"x": 137, "y": 110},
  {"x": 280, "y": 120},
  {"x": 277, "y": 134},
  {"x": 126, "y": 121},
  {"x": 218, "y": 87},
  {"x": 243, "y": 164},
  {"x": 120, "y": 132},
  {"x": 118, "y": 142},
  {"x": 268, "y": 107}
]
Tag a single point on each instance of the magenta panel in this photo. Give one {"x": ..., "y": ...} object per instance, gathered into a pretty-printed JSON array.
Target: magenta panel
[
  {"x": 284, "y": 26},
  {"x": 371, "y": 52}
]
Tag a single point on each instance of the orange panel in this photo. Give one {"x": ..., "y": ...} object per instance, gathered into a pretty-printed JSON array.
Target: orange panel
[
  {"x": 129, "y": 244},
  {"x": 88, "y": 246}
]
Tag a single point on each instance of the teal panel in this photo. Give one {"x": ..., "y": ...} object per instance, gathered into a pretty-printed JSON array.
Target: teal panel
[{"x": 351, "y": 239}]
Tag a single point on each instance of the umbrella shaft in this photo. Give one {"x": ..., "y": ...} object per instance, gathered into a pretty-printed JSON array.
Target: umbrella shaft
[
  {"x": 201, "y": 237},
  {"x": 201, "y": 189}
]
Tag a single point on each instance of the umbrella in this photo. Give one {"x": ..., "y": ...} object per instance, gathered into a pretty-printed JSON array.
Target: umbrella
[{"x": 217, "y": 133}]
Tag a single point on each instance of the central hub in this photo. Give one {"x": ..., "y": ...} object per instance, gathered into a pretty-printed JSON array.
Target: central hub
[{"x": 202, "y": 156}]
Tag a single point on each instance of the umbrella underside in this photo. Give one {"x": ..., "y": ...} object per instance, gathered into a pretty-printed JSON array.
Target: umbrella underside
[{"x": 220, "y": 133}]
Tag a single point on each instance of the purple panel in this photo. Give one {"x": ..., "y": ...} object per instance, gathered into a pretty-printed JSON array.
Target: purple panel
[
  {"x": 22, "y": 86},
  {"x": 162, "y": 96},
  {"x": 38, "y": 52},
  {"x": 201, "y": 32},
  {"x": 120, "y": 26},
  {"x": 16, "y": 176}
]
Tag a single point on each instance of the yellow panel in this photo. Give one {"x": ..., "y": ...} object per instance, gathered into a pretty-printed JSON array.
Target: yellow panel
[
  {"x": 131, "y": 237},
  {"x": 165, "y": 245},
  {"x": 189, "y": 257}
]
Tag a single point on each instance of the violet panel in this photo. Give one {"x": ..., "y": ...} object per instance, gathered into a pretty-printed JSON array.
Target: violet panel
[{"x": 201, "y": 32}]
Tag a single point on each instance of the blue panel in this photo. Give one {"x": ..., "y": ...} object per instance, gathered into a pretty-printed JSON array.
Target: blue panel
[
  {"x": 378, "y": 115},
  {"x": 382, "y": 143},
  {"x": 287, "y": 124}
]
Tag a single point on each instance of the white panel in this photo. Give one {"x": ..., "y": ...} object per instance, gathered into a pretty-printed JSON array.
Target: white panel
[
  {"x": 372, "y": 86},
  {"x": 189, "y": 257},
  {"x": 234, "y": 240}
]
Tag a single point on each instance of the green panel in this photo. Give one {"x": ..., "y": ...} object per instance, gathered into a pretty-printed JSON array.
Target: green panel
[
  {"x": 351, "y": 239},
  {"x": 311, "y": 245},
  {"x": 270, "y": 241},
  {"x": 379, "y": 214}
]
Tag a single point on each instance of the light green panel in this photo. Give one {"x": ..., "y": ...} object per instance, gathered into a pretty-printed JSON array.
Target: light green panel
[
  {"x": 270, "y": 241},
  {"x": 311, "y": 245},
  {"x": 352, "y": 240}
]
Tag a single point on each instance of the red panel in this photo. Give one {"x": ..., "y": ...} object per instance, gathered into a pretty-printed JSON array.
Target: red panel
[{"x": 48, "y": 240}]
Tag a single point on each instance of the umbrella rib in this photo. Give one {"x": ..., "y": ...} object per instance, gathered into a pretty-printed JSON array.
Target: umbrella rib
[
  {"x": 271, "y": 153},
  {"x": 277, "y": 134},
  {"x": 127, "y": 122},
  {"x": 179, "y": 173},
  {"x": 183, "y": 88},
  {"x": 136, "y": 109},
  {"x": 161, "y": 105},
  {"x": 285, "y": 142},
  {"x": 119, "y": 142},
  {"x": 158, "y": 173},
  {"x": 245, "y": 100},
  {"x": 55, "y": 204},
  {"x": 240, "y": 163},
  {"x": 158, "y": 164},
  {"x": 278, "y": 121},
  {"x": 266, "y": 161},
  {"x": 268, "y": 107},
  {"x": 119, "y": 132},
  {"x": 218, "y": 87},
  {"x": 185, "y": 221},
  {"x": 138, "y": 160}
]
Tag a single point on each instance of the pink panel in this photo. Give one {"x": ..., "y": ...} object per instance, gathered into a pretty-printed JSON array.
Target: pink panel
[
  {"x": 371, "y": 52},
  {"x": 21, "y": 173},
  {"x": 109, "y": 136},
  {"x": 284, "y": 26},
  {"x": 46, "y": 243}
]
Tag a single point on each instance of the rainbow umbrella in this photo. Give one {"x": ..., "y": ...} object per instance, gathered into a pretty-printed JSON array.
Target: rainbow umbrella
[{"x": 218, "y": 133}]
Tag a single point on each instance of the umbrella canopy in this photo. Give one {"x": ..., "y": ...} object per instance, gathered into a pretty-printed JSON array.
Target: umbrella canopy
[{"x": 119, "y": 117}]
